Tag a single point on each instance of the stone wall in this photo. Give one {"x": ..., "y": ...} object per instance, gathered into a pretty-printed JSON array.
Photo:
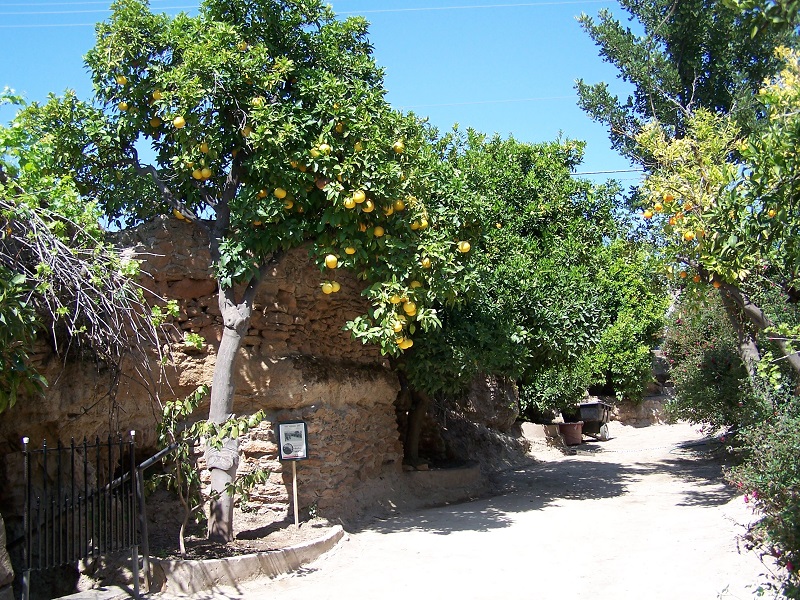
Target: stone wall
[{"x": 295, "y": 363}]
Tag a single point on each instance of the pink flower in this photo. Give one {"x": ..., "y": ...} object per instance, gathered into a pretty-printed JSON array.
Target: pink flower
[
  {"x": 746, "y": 498},
  {"x": 755, "y": 494}
]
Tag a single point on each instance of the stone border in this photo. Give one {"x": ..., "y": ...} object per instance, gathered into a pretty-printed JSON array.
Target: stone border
[
  {"x": 184, "y": 577},
  {"x": 193, "y": 576}
]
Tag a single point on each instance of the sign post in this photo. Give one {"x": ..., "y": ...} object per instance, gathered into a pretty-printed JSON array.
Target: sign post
[{"x": 293, "y": 446}]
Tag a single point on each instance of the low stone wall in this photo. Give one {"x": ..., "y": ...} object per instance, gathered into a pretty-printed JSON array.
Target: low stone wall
[{"x": 650, "y": 411}]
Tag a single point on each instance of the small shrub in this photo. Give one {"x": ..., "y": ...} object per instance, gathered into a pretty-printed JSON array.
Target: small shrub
[
  {"x": 711, "y": 383},
  {"x": 770, "y": 479}
]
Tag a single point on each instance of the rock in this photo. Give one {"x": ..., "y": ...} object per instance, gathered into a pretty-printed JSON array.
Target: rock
[
  {"x": 491, "y": 401},
  {"x": 192, "y": 288}
]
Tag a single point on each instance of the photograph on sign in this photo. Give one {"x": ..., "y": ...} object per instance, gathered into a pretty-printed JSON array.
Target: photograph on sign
[{"x": 293, "y": 440}]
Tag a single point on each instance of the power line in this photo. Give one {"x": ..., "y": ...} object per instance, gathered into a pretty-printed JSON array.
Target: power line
[
  {"x": 363, "y": 12},
  {"x": 477, "y": 102},
  {"x": 76, "y": 12},
  {"x": 432, "y": 8}
]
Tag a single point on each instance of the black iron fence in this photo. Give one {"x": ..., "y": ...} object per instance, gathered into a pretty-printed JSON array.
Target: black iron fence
[{"x": 81, "y": 501}]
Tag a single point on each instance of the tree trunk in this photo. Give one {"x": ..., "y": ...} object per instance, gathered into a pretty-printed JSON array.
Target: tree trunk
[
  {"x": 223, "y": 462},
  {"x": 761, "y": 321},
  {"x": 746, "y": 341},
  {"x": 419, "y": 407}
]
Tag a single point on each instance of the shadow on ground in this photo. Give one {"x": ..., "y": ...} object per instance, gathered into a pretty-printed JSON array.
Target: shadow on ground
[{"x": 591, "y": 474}]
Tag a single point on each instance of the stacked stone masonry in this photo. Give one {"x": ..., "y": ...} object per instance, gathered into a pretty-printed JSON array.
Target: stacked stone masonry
[{"x": 295, "y": 363}]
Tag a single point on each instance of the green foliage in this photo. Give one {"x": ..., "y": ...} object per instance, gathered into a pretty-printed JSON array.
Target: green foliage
[
  {"x": 80, "y": 288},
  {"x": 711, "y": 383},
  {"x": 548, "y": 282},
  {"x": 17, "y": 333},
  {"x": 266, "y": 123},
  {"x": 769, "y": 476},
  {"x": 636, "y": 298},
  {"x": 694, "y": 53},
  {"x": 179, "y": 429}
]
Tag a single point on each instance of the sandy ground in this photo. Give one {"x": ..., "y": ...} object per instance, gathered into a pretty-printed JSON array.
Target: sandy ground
[{"x": 635, "y": 517}]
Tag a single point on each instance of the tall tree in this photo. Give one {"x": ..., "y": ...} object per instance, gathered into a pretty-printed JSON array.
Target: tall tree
[
  {"x": 267, "y": 126},
  {"x": 690, "y": 54},
  {"x": 551, "y": 287}
]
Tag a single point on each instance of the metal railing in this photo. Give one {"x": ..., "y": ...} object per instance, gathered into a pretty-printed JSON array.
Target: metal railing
[{"x": 76, "y": 509}]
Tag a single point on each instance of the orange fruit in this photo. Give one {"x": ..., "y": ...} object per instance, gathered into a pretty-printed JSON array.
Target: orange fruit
[
  {"x": 331, "y": 261},
  {"x": 280, "y": 193},
  {"x": 464, "y": 247},
  {"x": 179, "y": 122}
]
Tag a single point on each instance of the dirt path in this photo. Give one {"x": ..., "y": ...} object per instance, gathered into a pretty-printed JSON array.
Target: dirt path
[{"x": 634, "y": 517}]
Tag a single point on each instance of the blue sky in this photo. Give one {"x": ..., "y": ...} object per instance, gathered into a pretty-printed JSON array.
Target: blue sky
[{"x": 498, "y": 66}]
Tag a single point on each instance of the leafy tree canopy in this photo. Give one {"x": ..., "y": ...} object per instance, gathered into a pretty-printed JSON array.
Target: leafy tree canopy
[{"x": 696, "y": 53}]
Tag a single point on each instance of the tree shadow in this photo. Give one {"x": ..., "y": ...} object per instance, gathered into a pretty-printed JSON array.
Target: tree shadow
[
  {"x": 590, "y": 474},
  {"x": 519, "y": 490}
]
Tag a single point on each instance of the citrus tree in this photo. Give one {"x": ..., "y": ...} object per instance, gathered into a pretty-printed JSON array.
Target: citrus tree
[
  {"x": 554, "y": 282},
  {"x": 732, "y": 223},
  {"x": 265, "y": 124}
]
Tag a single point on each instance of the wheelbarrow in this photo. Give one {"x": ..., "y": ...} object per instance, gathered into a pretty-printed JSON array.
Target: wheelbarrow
[{"x": 595, "y": 417}]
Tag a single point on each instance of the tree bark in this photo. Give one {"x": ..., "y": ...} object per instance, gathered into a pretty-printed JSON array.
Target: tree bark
[
  {"x": 223, "y": 463},
  {"x": 761, "y": 321},
  {"x": 746, "y": 341}
]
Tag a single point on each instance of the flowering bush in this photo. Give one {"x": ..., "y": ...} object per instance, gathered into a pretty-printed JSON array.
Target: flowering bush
[{"x": 770, "y": 480}]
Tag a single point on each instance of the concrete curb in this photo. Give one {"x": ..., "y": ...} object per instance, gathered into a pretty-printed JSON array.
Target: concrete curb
[
  {"x": 183, "y": 577},
  {"x": 193, "y": 576}
]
